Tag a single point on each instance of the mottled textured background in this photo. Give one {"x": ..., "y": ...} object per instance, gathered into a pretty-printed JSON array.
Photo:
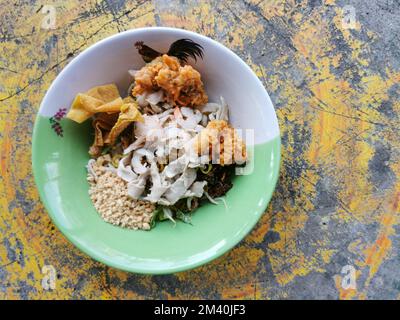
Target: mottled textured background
[{"x": 336, "y": 91}]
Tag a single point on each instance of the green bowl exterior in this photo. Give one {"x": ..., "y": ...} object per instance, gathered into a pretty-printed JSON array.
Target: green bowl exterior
[{"x": 60, "y": 175}]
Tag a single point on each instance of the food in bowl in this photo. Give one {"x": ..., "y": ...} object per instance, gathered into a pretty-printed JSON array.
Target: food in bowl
[
  {"x": 59, "y": 161},
  {"x": 162, "y": 150}
]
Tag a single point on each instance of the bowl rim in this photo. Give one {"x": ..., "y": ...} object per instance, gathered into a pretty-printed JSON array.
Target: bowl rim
[{"x": 92, "y": 253}]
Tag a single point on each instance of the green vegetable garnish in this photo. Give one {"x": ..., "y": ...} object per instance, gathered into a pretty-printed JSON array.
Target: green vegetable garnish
[
  {"x": 186, "y": 218},
  {"x": 208, "y": 170}
]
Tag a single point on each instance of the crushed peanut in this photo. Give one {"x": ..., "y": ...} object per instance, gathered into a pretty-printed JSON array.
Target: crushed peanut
[{"x": 108, "y": 193}]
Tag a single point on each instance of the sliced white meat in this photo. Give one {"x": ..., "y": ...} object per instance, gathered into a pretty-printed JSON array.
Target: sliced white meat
[
  {"x": 155, "y": 97},
  {"x": 190, "y": 118},
  {"x": 209, "y": 107},
  {"x": 175, "y": 167},
  {"x": 191, "y": 113},
  {"x": 196, "y": 190},
  {"x": 167, "y": 106},
  {"x": 136, "y": 187},
  {"x": 156, "y": 109},
  {"x": 124, "y": 170},
  {"x": 150, "y": 123},
  {"x": 141, "y": 100},
  {"x": 166, "y": 137},
  {"x": 139, "y": 142},
  {"x": 155, "y": 193},
  {"x": 139, "y": 163},
  {"x": 180, "y": 186}
]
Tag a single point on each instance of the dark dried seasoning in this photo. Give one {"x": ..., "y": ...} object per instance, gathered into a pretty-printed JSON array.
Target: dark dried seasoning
[{"x": 219, "y": 179}]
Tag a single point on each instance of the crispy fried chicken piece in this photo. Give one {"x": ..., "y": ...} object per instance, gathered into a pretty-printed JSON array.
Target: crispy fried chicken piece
[
  {"x": 182, "y": 85},
  {"x": 220, "y": 140}
]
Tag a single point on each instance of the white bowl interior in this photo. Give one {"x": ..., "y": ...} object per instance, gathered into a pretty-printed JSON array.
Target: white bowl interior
[{"x": 223, "y": 73}]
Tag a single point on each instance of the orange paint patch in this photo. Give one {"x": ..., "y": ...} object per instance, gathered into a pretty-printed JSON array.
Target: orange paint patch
[
  {"x": 5, "y": 159},
  {"x": 245, "y": 292},
  {"x": 259, "y": 233},
  {"x": 378, "y": 251}
]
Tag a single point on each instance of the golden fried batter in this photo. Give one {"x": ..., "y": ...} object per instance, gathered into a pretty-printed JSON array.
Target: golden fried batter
[
  {"x": 219, "y": 137},
  {"x": 181, "y": 84}
]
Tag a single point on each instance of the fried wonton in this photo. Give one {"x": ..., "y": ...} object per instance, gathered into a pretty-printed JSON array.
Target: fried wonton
[
  {"x": 108, "y": 127},
  {"x": 104, "y": 98},
  {"x": 103, "y": 123},
  {"x": 129, "y": 113}
]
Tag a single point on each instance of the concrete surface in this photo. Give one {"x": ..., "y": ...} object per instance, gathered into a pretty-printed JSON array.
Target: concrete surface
[{"x": 335, "y": 85}]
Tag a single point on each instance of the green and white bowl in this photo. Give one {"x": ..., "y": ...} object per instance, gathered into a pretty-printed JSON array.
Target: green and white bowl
[{"x": 60, "y": 153}]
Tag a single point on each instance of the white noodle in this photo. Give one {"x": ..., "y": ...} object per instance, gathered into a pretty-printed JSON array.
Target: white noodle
[
  {"x": 222, "y": 199},
  {"x": 210, "y": 199}
]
